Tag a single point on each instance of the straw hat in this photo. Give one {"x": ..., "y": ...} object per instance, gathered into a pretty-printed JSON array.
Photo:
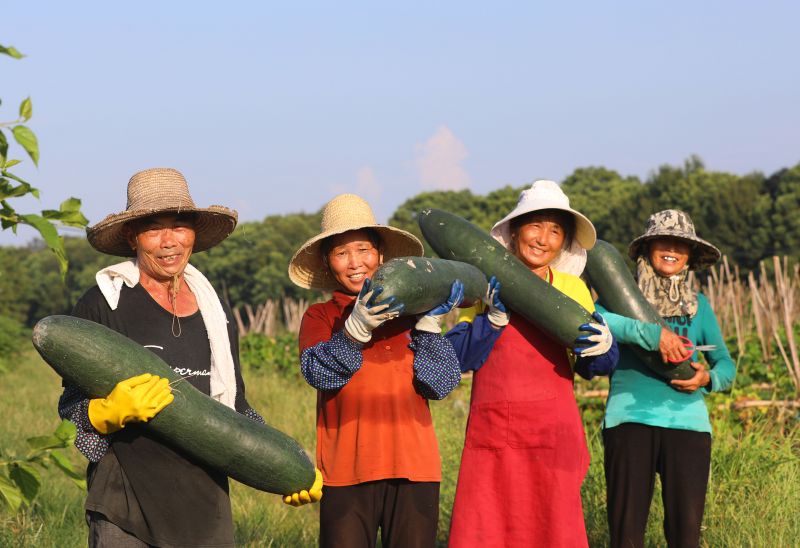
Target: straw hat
[
  {"x": 676, "y": 224},
  {"x": 548, "y": 195},
  {"x": 346, "y": 212},
  {"x": 153, "y": 192}
]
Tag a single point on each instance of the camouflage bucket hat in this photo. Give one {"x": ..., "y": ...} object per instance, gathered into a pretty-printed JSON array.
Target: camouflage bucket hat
[{"x": 676, "y": 224}]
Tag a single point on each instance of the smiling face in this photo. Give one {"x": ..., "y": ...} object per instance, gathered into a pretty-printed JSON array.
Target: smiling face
[
  {"x": 668, "y": 255},
  {"x": 538, "y": 239},
  {"x": 163, "y": 244},
  {"x": 352, "y": 257}
]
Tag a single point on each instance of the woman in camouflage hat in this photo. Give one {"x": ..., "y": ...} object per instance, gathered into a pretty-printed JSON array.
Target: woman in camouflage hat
[{"x": 651, "y": 426}]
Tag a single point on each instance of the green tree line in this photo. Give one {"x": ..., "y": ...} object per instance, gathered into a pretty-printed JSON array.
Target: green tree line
[{"x": 749, "y": 217}]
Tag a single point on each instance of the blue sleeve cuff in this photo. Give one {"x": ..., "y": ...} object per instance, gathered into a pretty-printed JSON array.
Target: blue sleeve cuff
[
  {"x": 253, "y": 415},
  {"x": 589, "y": 367},
  {"x": 73, "y": 405},
  {"x": 473, "y": 341},
  {"x": 436, "y": 366},
  {"x": 330, "y": 364}
]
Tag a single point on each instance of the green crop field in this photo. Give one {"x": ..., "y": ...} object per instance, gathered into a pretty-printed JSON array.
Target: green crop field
[{"x": 753, "y": 497}]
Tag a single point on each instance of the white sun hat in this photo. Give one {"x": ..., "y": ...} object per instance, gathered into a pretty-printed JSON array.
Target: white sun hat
[{"x": 542, "y": 195}]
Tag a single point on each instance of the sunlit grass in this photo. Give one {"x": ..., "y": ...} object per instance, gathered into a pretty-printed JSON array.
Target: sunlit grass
[{"x": 753, "y": 497}]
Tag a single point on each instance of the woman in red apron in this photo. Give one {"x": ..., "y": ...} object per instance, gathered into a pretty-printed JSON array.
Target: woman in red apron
[{"x": 525, "y": 453}]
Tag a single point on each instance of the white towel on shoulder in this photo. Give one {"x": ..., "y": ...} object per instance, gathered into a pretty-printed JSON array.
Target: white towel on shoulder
[{"x": 223, "y": 376}]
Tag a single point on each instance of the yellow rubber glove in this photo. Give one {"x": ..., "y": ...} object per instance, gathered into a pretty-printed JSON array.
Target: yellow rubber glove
[
  {"x": 139, "y": 399},
  {"x": 311, "y": 495}
]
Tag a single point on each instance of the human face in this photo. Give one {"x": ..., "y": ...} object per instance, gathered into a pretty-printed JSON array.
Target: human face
[
  {"x": 352, "y": 259},
  {"x": 669, "y": 255},
  {"x": 163, "y": 245},
  {"x": 538, "y": 242}
]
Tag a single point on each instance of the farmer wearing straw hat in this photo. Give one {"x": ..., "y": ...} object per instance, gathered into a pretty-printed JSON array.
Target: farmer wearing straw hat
[
  {"x": 650, "y": 426},
  {"x": 376, "y": 446},
  {"x": 141, "y": 491},
  {"x": 525, "y": 453}
]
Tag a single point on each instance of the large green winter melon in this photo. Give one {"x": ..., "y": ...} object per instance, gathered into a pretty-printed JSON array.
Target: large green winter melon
[
  {"x": 618, "y": 292},
  {"x": 421, "y": 283},
  {"x": 95, "y": 358},
  {"x": 455, "y": 238}
]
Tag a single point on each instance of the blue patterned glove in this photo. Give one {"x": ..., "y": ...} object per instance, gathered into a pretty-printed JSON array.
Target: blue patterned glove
[{"x": 432, "y": 321}]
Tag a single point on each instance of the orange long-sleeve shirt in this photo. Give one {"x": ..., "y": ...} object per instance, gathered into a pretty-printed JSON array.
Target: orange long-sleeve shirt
[{"x": 377, "y": 426}]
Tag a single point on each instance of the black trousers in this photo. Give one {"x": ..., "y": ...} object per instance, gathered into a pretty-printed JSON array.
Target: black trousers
[
  {"x": 406, "y": 512},
  {"x": 634, "y": 453}
]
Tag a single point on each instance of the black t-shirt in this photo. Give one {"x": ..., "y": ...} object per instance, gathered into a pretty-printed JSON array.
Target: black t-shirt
[{"x": 142, "y": 484}]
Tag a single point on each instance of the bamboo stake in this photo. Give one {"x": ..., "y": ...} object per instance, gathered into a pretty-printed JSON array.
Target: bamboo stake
[
  {"x": 791, "y": 404},
  {"x": 712, "y": 281},
  {"x": 787, "y": 305},
  {"x": 239, "y": 323},
  {"x": 751, "y": 280},
  {"x": 731, "y": 291}
]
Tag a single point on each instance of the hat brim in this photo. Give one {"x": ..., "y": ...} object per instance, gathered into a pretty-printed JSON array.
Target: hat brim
[
  {"x": 585, "y": 233},
  {"x": 212, "y": 225},
  {"x": 702, "y": 256},
  {"x": 308, "y": 270}
]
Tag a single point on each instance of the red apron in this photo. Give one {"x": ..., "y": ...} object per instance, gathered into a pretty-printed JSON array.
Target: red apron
[{"x": 525, "y": 453}]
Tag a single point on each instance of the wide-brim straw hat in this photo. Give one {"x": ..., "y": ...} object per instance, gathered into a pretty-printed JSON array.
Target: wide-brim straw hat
[
  {"x": 543, "y": 195},
  {"x": 674, "y": 223},
  {"x": 346, "y": 212},
  {"x": 154, "y": 192}
]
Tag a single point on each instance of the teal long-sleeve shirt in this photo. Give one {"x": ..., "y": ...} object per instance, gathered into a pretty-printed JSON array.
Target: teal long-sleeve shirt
[{"x": 638, "y": 395}]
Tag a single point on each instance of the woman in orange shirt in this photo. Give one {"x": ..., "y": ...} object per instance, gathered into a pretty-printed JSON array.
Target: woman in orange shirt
[{"x": 376, "y": 446}]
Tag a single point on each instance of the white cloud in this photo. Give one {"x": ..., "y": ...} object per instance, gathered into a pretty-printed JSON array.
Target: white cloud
[{"x": 439, "y": 160}]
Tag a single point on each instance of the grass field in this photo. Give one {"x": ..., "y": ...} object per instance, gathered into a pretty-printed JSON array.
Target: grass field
[{"x": 753, "y": 497}]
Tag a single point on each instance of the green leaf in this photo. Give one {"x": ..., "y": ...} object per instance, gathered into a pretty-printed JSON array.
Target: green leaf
[
  {"x": 10, "y": 493},
  {"x": 26, "y": 109},
  {"x": 11, "y": 163},
  {"x": 62, "y": 462},
  {"x": 18, "y": 179},
  {"x": 27, "y": 140},
  {"x": 69, "y": 213},
  {"x": 8, "y": 217},
  {"x": 50, "y": 237},
  {"x": 27, "y": 479},
  {"x": 66, "y": 432},
  {"x": 7, "y": 190},
  {"x": 12, "y": 51},
  {"x": 3, "y": 146},
  {"x": 42, "y": 443}
]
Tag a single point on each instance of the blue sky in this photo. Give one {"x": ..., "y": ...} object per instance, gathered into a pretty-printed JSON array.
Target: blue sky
[{"x": 274, "y": 107}]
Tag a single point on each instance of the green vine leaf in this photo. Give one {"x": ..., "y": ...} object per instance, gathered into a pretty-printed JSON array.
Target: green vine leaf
[
  {"x": 27, "y": 140},
  {"x": 63, "y": 463},
  {"x": 26, "y": 109},
  {"x": 3, "y": 146},
  {"x": 8, "y": 190},
  {"x": 69, "y": 213},
  {"x": 66, "y": 432},
  {"x": 43, "y": 443},
  {"x": 10, "y": 493},
  {"x": 12, "y": 51},
  {"x": 50, "y": 237},
  {"x": 27, "y": 479}
]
